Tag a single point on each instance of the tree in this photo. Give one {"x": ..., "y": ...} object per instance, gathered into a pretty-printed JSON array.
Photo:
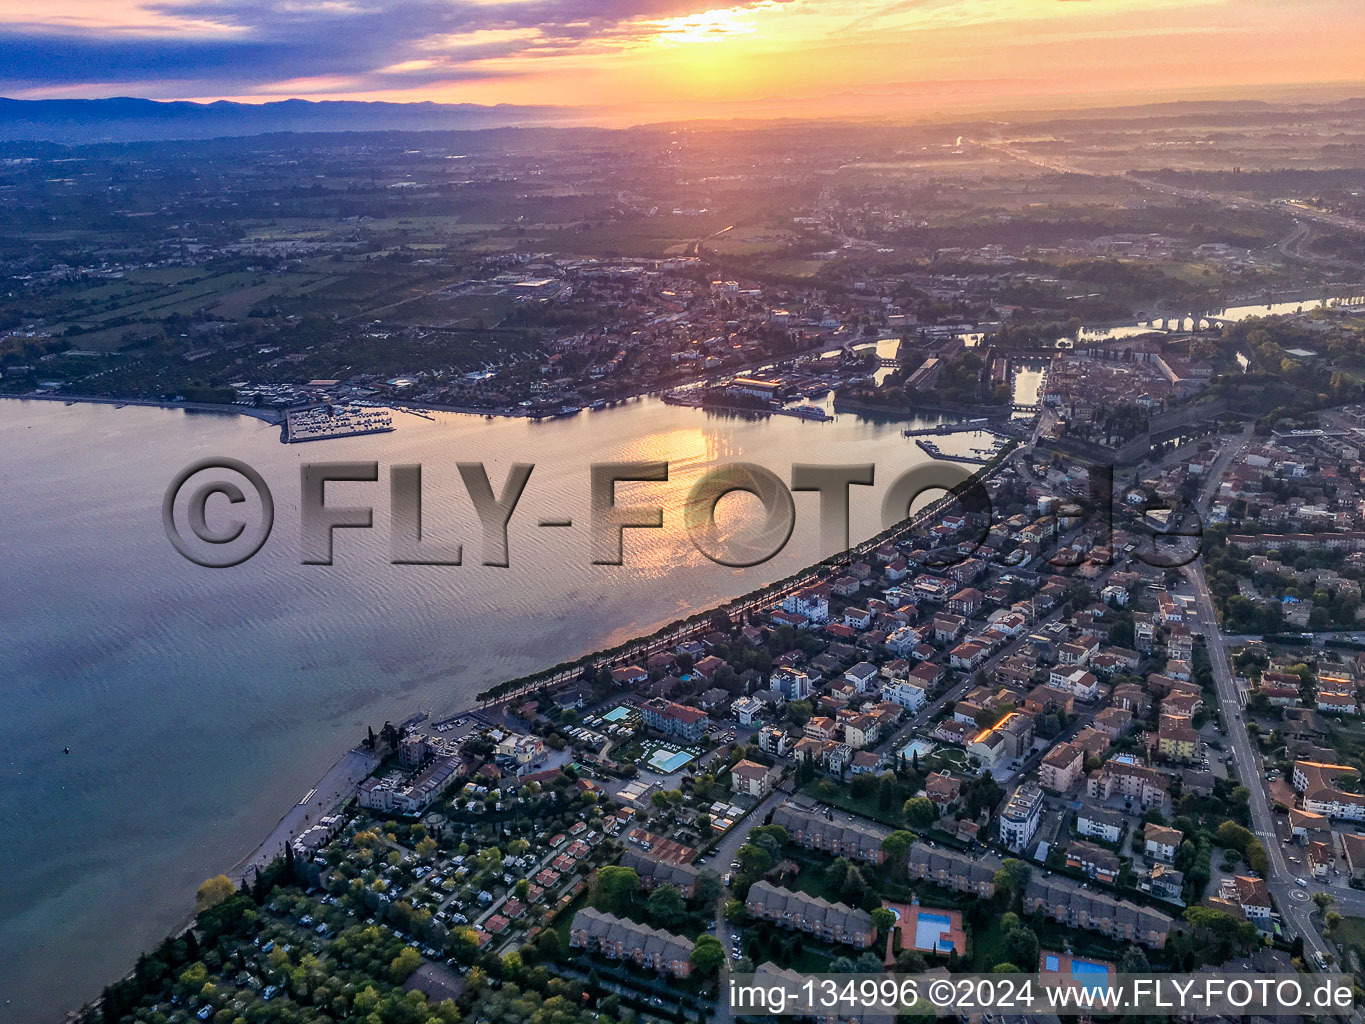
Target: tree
[
  {"x": 614, "y": 888},
  {"x": 896, "y": 846},
  {"x": 735, "y": 912},
  {"x": 708, "y": 885},
  {"x": 708, "y": 955},
  {"x": 407, "y": 961},
  {"x": 666, "y": 906},
  {"x": 213, "y": 892},
  {"x": 919, "y": 811},
  {"x": 755, "y": 860},
  {"x": 1021, "y": 945},
  {"x": 884, "y": 919},
  {"x": 1134, "y": 961}
]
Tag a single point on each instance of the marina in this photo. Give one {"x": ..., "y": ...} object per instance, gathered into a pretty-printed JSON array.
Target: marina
[{"x": 331, "y": 421}]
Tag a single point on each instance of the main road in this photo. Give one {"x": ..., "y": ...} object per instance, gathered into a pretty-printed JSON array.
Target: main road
[{"x": 1295, "y": 908}]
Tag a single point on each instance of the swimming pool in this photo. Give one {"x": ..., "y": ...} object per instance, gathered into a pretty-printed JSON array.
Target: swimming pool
[
  {"x": 929, "y": 929},
  {"x": 917, "y": 746},
  {"x": 616, "y": 714},
  {"x": 668, "y": 760},
  {"x": 1086, "y": 967}
]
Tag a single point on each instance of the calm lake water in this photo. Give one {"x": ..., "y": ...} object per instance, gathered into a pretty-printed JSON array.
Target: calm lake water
[{"x": 199, "y": 705}]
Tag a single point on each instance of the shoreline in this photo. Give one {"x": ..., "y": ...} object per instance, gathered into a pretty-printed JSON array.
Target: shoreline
[{"x": 271, "y": 416}]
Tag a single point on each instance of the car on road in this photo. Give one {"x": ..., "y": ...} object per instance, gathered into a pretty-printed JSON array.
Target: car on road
[{"x": 1302, "y": 883}]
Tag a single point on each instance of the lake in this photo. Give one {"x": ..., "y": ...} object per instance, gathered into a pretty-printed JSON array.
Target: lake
[{"x": 200, "y": 704}]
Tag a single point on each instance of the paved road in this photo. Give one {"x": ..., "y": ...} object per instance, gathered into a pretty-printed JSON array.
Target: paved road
[
  {"x": 725, "y": 852},
  {"x": 1294, "y": 910}
]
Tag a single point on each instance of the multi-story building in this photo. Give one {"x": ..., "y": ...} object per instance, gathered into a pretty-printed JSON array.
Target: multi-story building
[
  {"x": 857, "y": 840},
  {"x": 1065, "y": 902},
  {"x": 753, "y": 779},
  {"x": 1019, "y": 819},
  {"x": 1120, "y": 777},
  {"x": 908, "y": 694},
  {"x": 620, "y": 939},
  {"x": 1062, "y": 767},
  {"x": 1314, "y": 779},
  {"x": 832, "y": 922},
  {"x": 1160, "y": 842},
  {"x": 680, "y": 720},
  {"x": 773, "y": 741},
  {"x": 748, "y": 710},
  {"x": 1097, "y": 823},
  {"x": 953, "y": 870},
  {"x": 653, "y": 872}
]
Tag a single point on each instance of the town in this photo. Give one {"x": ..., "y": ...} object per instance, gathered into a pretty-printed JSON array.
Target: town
[{"x": 1111, "y": 724}]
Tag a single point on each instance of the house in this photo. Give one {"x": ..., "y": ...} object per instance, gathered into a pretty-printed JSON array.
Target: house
[
  {"x": 1164, "y": 882},
  {"x": 1061, "y": 768},
  {"x": 1353, "y": 847},
  {"x": 629, "y": 676},
  {"x": 863, "y": 676},
  {"x": 671, "y": 719},
  {"x": 973, "y": 875},
  {"x": 773, "y": 741},
  {"x": 820, "y": 728},
  {"x": 966, "y": 602},
  {"x": 865, "y": 762},
  {"x": 1176, "y": 738},
  {"x": 811, "y": 602},
  {"x": 1019, "y": 818},
  {"x": 1249, "y": 895},
  {"x": 943, "y": 789},
  {"x": 1305, "y": 825},
  {"x": 927, "y": 674},
  {"x": 618, "y": 938},
  {"x": 967, "y": 656},
  {"x": 1065, "y": 902},
  {"x": 1160, "y": 842},
  {"x": 653, "y": 871},
  {"x": 909, "y": 695},
  {"x": 1007, "y": 740},
  {"x": 832, "y": 922},
  {"x": 1098, "y": 823},
  {"x": 1093, "y": 861},
  {"x": 1314, "y": 780},
  {"x": 860, "y": 730},
  {"x": 748, "y": 711},
  {"x": 857, "y": 840},
  {"x": 857, "y": 618},
  {"x": 1337, "y": 703},
  {"x": 753, "y": 779}
]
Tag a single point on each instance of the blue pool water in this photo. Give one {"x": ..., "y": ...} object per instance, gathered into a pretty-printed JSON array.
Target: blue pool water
[
  {"x": 616, "y": 714},
  {"x": 1051, "y": 963},
  {"x": 929, "y": 929},
  {"x": 917, "y": 746},
  {"x": 665, "y": 761},
  {"x": 1086, "y": 967}
]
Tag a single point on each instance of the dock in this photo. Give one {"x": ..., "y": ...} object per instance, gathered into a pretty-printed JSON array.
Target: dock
[{"x": 324, "y": 422}]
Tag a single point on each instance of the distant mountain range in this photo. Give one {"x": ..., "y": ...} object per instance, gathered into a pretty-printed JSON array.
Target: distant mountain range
[{"x": 126, "y": 119}]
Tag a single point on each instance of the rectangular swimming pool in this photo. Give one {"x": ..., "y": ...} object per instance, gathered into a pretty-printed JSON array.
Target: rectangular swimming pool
[
  {"x": 929, "y": 929},
  {"x": 616, "y": 714},
  {"x": 668, "y": 761}
]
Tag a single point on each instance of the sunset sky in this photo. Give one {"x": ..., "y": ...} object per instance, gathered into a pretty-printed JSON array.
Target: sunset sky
[{"x": 617, "y": 60}]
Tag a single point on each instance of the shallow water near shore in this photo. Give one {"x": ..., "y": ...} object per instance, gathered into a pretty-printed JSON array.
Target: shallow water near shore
[{"x": 199, "y": 705}]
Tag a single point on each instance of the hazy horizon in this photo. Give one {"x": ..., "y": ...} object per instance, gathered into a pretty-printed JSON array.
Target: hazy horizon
[{"x": 622, "y": 62}]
